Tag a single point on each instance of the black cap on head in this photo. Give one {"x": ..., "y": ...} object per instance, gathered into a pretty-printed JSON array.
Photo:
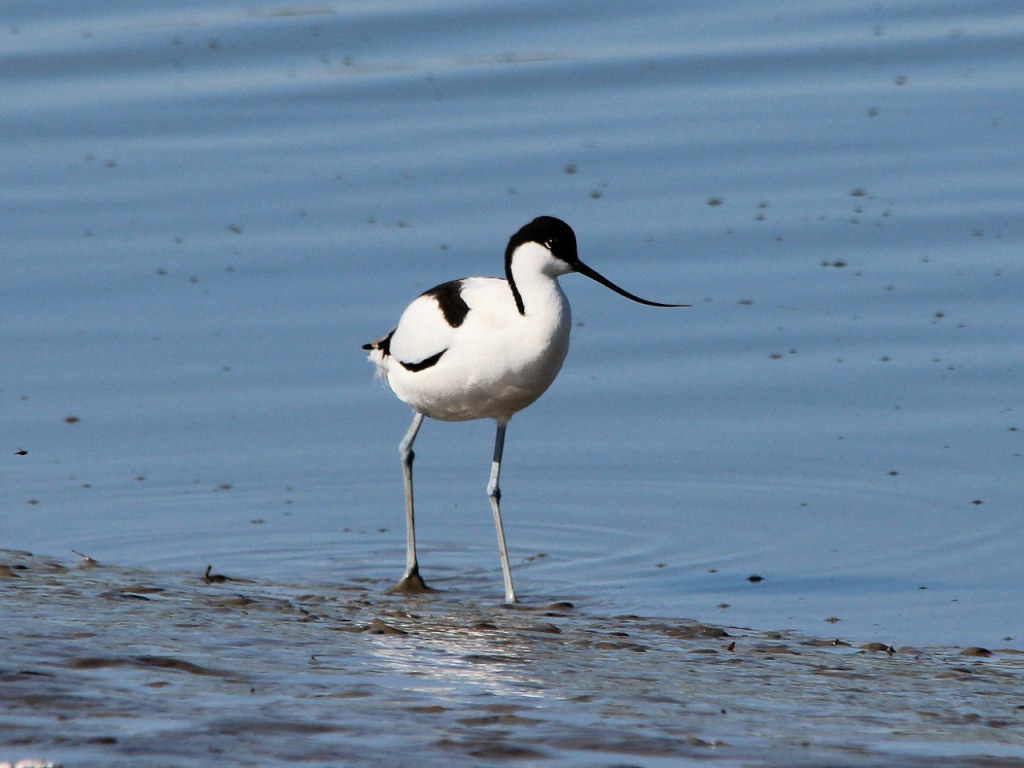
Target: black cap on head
[{"x": 554, "y": 234}]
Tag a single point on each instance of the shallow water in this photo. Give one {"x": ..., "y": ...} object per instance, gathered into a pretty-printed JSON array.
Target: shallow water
[
  {"x": 207, "y": 209},
  {"x": 107, "y": 666}
]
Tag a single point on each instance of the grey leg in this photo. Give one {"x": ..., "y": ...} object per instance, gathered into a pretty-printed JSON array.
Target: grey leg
[
  {"x": 411, "y": 581},
  {"x": 494, "y": 493}
]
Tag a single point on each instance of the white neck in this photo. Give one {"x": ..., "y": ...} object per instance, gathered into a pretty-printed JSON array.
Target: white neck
[{"x": 535, "y": 272}]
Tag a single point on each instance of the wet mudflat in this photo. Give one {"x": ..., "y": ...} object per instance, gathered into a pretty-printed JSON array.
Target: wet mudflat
[
  {"x": 209, "y": 207},
  {"x": 104, "y": 666}
]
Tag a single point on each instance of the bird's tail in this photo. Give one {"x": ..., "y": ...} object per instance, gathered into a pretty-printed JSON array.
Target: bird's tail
[{"x": 380, "y": 355}]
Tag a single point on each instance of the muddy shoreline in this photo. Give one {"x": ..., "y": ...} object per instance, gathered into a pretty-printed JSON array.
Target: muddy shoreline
[{"x": 102, "y": 665}]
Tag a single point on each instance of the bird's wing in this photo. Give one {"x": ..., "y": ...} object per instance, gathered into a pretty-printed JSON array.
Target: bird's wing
[{"x": 422, "y": 334}]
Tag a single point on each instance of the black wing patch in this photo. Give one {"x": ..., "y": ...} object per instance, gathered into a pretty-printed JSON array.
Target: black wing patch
[
  {"x": 422, "y": 365},
  {"x": 449, "y": 299}
]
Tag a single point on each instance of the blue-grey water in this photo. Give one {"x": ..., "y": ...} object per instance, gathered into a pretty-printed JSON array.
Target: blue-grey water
[{"x": 206, "y": 208}]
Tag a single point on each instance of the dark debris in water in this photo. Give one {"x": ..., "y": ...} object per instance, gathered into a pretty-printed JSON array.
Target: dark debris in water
[
  {"x": 215, "y": 578},
  {"x": 108, "y": 666}
]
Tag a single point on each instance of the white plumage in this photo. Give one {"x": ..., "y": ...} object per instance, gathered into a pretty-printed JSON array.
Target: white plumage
[
  {"x": 496, "y": 362},
  {"x": 485, "y": 348}
]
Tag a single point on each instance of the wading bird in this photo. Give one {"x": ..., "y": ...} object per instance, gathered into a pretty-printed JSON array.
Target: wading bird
[{"x": 484, "y": 348}]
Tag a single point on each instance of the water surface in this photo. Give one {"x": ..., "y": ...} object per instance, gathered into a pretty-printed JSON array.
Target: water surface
[{"x": 208, "y": 209}]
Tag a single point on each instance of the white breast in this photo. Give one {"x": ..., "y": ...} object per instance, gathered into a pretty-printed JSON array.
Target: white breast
[{"x": 495, "y": 363}]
